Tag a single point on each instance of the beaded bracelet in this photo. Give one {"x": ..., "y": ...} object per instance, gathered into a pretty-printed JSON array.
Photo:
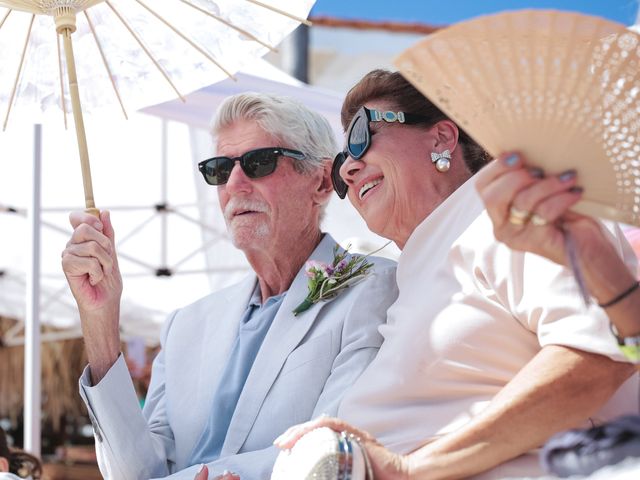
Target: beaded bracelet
[{"x": 620, "y": 297}]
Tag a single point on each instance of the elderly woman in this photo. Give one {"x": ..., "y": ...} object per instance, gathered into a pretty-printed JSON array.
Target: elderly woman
[{"x": 488, "y": 351}]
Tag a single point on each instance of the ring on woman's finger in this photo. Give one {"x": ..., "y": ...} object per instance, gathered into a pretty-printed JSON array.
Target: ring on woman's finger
[
  {"x": 350, "y": 436},
  {"x": 517, "y": 216},
  {"x": 538, "y": 221}
]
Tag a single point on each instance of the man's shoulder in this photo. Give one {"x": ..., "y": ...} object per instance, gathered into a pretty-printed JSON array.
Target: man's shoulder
[
  {"x": 378, "y": 288},
  {"x": 381, "y": 277},
  {"x": 383, "y": 263},
  {"x": 383, "y": 268},
  {"x": 380, "y": 263}
]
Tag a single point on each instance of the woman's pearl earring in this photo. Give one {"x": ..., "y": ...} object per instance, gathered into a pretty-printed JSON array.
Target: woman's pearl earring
[{"x": 441, "y": 160}]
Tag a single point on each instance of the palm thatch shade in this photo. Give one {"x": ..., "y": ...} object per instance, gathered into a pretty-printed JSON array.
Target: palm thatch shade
[{"x": 62, "y": 364}]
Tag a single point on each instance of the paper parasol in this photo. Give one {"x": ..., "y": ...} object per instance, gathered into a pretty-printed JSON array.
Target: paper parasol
[
  {"x": 562, "y": 88},
  {"x": 128, "y": 53}
]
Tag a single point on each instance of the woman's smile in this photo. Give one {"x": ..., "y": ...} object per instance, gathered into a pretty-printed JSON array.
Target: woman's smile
[{"x": 368, "y": 186}]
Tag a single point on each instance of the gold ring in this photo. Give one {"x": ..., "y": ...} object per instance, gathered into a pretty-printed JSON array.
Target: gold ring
[
  {"x": 518, "y": 217},
  {"x": 538, "y": 221}
]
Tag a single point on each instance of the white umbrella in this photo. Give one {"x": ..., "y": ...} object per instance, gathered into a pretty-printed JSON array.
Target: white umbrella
[{"x": 129, "y": 53}]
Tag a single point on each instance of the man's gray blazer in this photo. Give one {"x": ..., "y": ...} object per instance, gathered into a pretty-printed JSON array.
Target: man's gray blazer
[{"x": 302, "y": 370}]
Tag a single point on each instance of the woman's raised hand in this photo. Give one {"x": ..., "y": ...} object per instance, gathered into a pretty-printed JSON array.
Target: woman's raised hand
[{"x": 530, "y": 210}]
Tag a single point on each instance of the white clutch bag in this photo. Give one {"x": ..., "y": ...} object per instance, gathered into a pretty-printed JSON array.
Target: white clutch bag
[{"x": 323, "y": 454}]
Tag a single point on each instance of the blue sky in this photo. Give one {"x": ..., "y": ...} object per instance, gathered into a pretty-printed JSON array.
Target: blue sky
[{"x": 441, "y": 12}]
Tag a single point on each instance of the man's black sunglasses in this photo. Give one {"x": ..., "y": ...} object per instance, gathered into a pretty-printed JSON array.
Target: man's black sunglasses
[
  {"x": 359, "y": 139},
  {"x": 254, "y": 163}
]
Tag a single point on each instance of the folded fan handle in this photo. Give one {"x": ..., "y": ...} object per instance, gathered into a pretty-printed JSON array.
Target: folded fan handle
[{"x": 79, "y": 123}]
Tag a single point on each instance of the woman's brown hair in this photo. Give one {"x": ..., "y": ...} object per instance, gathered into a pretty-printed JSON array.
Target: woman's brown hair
[
  {"x": 21, "y": 463},
  {"x": 395, "y": 89}
]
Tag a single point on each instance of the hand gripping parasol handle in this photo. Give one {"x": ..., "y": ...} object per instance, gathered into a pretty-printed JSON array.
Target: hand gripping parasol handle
[{"x": 79, "y": 122}]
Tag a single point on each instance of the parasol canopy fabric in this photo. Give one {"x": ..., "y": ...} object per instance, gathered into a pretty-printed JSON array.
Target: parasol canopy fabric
[{"x": 130, "y": 53}]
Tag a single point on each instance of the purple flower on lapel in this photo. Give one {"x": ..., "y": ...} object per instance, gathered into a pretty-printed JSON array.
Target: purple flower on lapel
[{"x": 328, "y": 280}]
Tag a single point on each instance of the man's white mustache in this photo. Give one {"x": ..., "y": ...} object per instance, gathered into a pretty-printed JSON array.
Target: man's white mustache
[{"x": 236, "y": 205}]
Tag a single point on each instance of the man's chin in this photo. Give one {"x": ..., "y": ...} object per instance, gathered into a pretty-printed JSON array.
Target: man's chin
[{"x": 248, "y": 238}]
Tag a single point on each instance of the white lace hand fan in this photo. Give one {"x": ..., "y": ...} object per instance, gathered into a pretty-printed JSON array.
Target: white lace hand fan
[{"x": 562, "y": 88}]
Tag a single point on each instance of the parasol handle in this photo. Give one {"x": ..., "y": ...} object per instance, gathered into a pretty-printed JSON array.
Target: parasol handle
[{"x": 79, "y": 123}]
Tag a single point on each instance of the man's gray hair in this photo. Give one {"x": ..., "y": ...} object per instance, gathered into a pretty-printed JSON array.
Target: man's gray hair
[{"x": 285, "y": 118}]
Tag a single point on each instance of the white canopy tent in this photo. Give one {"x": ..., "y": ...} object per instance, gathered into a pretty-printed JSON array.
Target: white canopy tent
[
  {"x": 260, "y": 76},
  {"x": 154, "y": 207}
]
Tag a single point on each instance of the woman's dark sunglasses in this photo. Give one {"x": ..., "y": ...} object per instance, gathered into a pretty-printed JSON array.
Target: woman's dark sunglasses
[
  {"x": 359, "y": 139},
  {"x": 255, "y": 164},
  {"x": 339, "y": 185}
]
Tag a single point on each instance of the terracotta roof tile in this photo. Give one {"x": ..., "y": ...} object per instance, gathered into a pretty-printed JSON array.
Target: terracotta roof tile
[{"x": 390, "y": 26}]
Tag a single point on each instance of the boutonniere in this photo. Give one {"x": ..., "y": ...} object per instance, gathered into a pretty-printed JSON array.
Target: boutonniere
[{"x": 327, "y": 280}]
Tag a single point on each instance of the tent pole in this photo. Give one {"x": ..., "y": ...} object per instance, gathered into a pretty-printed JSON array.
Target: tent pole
[
  {"x": 32, "y": 366},
  {"x": 164, "y": 236}
]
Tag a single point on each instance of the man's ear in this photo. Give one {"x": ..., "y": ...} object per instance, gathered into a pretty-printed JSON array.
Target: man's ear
[
  {"x": 324, "y": 187},
  {"x": 4, "y": 464}
]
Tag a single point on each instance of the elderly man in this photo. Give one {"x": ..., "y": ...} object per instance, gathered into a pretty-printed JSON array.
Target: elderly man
[{"x": 236, "y": 367}]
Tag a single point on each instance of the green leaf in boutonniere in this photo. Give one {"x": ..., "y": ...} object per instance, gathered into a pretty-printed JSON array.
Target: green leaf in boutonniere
[{"x": 327, "y": 280}]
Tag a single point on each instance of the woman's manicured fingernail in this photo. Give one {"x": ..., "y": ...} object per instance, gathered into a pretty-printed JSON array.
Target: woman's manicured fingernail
[
  {"x": 512, "y": 159},
  {"x": 536, "y": 172},
  {"x": 576, "y": 189},
  {"x": 567, "y": 176}
]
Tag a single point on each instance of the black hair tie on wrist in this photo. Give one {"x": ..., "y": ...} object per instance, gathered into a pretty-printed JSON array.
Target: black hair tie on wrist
[{"x": 623, "y": 295}]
